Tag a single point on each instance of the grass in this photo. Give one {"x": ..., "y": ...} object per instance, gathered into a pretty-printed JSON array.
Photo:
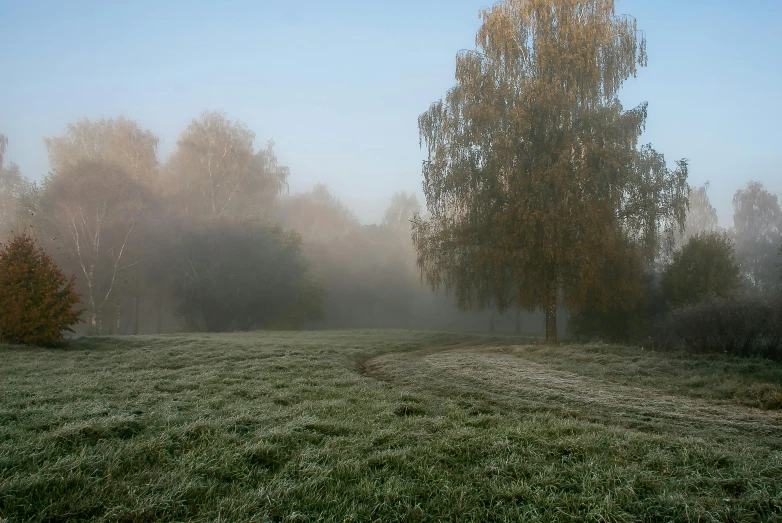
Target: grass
[{"x": 384, "y": 426}]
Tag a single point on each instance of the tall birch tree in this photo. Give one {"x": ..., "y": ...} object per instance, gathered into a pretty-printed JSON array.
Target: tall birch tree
[
  {"x": 534, "y": 182},
  {"x": 91, "y": 213}
]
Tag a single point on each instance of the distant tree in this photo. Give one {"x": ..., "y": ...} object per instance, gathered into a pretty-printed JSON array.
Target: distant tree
[
  {"x": 393, "y": 283},
  {"x": 94, "y": 210},
  {"x": 337, "y": 249},
  {"x": 701, "y": 215},
  {"x": 533, "y": 180},
  {"x": 36, "y": 300},
  {"x": 398, "y": 219},
  {"x": 396, "y": 256},
  {"x": 125, "y": 146},
  {"x": 779, "y": 253},
  {"x": 215, "y": 170},
  {"x": 12, "y": 188},
  {"x": 241, "y": 274},
  {"x": 399, "y": 214},
  {"x": 318, "y": 213},
  {"x": 757, "y": 230},
  {"x": 705, "y": 265},
  {"x": 368, "y": 271},
  {"x": 117, "y": 141}
]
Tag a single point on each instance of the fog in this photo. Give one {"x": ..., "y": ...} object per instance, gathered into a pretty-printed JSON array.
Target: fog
[
  {"x": 211, "y": 238},
  {"x": 244, "y": 184}
]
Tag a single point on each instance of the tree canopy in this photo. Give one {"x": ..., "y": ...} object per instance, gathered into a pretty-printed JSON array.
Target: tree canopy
[
  {"x": 13, "y": 186},
  {"x": 757, "y": 229},
  {"x": 400, "y": 212},
  {"x": 94, "y": 214},
  {"x": 705, "y": 265},
  {"x": 701, "y": 214},
  {"x": 242, "y": 274},
  {"x": 216, "y": 171},
  {"x": 534, "y": 181},
  {"x": 116, "y": 141}
]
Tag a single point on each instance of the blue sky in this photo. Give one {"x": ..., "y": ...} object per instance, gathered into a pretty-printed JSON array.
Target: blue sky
[{"x": 339, "y": 85}]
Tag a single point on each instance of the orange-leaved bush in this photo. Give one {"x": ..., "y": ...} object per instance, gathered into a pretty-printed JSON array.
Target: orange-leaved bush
[{"x": 36, "y": 299}]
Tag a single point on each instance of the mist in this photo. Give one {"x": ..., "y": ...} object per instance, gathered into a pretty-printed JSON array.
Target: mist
[
  {"x": 390, "y": 261},
  {"x": 317, "y": 162},
  {"x": 212, "y": 238}
]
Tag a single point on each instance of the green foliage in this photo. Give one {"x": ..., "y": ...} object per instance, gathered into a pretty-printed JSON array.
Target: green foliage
[
  {"x": 241, "y": 274},
  {"x": 630, "y": 320},
  {"x": 705, "y": 265},
  {"x": 36, "y": 300},
  {"x": 308, "y": 307},
  {"x": 743, "y": 325}
]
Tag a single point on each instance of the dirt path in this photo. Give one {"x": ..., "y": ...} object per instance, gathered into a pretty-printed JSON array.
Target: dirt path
[{"x": 501, "y": 381}]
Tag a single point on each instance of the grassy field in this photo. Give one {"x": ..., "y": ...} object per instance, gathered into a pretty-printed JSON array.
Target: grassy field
[{"x": 384, "y": 426}]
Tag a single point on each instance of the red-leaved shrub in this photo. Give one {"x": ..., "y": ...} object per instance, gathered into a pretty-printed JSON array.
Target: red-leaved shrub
[{"x": 36, "y": 300}]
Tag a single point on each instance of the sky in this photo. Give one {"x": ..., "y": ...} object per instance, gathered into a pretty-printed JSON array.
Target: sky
[{"x": 339, "y": 85}]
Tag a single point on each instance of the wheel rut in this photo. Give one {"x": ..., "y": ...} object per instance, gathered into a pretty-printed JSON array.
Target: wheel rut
[{"x": 487, "y": 373}]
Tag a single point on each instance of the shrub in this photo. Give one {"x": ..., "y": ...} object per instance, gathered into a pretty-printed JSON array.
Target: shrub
[
  {"x": 622, "y": 323},
  {"x": 746, "y": 326},
  {"x": 242, "y": 274},
  {"x": 705, "y": 265},
  {"x": 36, "y": 300}
]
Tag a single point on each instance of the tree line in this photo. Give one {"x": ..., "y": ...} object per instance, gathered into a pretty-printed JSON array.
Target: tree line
[
  {"x": 539, "y": 196},
  {"x": 209, "y": 239}
]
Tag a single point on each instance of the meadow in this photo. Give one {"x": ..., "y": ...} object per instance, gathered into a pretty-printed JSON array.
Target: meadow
[{"x": 384, "y": 426}]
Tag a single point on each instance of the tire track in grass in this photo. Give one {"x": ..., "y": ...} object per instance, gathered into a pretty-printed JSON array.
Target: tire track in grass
[{"x": 507, "y": 381}]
